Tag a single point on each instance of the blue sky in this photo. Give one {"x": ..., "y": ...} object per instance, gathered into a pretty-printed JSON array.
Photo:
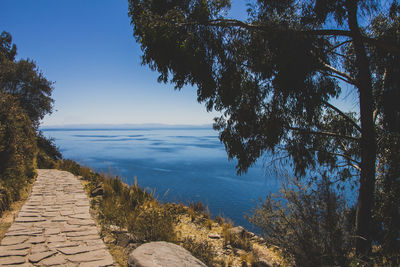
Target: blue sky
[{"x": 87, "y": 49}]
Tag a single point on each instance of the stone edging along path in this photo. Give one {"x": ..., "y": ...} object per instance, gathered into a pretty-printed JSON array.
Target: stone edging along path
[{"x": 54, "y": 227}]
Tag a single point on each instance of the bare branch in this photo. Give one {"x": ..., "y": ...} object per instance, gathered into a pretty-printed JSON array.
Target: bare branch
[
  {"x": 339, "y": 45},
  {"x": 350, "y": 161},
  {"x": 338, "y": 77},
  {"x": 340, "y": 73}
]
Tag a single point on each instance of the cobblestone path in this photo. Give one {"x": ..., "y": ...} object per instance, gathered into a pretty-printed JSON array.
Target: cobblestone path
[{"x": 54, "y": 227}]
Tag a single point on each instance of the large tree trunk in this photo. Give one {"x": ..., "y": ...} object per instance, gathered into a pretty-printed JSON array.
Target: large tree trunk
[{"x": 368, "y": 137}]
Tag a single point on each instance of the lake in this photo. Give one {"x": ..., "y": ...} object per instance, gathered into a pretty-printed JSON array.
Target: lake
[{"x": 180, "y": 164}]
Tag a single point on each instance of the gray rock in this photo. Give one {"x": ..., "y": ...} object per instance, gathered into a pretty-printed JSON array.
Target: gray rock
[
  {"x": 214, "y": 236},
  {"x": 160, "y": 254},
  {"x": 123, "y": 239},
  {"x": 238, "y": 230}
]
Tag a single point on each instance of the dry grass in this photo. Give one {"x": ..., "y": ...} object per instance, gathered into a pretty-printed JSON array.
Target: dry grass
[
  {"x": 119, "y": 254},
  {"x": 131, "y": 208},
  {"x": 236, "y": 241}
]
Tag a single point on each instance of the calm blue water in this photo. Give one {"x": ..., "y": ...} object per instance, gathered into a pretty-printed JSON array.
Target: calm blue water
[{"x": 186, "y": 164}]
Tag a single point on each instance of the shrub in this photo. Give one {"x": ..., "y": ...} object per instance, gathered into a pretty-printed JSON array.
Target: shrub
[
  {"x": 240, "y": 241},
  {"x": 311, "y": 226},
  {"x": 219, "y": 219},
  {"x": 152, "y": 222},
  {"x": 17, "y": 147},
  {"x": 386, "y": 212},
  {"x": 70, "y": 166},
  {"x": 48, "y": 153},
  {"x": 197, "y": 206},
  {"x": 201, "y": 250}
]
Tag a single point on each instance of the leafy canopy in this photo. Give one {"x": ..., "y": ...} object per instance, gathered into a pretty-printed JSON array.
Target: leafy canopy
[
  {"x": 272, "y": 76},
  {"x": 23, "y": 80}
]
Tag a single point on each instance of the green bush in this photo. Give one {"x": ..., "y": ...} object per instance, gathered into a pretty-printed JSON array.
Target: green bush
[
  {"x": 48, "y": 153},
  {"x": 310, "y": 225},
  {"x": 18, "y": 147}
]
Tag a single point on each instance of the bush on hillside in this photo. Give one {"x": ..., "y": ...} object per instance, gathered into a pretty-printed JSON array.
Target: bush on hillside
[
  {"x": 48, "y": 153},
  {"x": 152, "y": 222},
  {"x": 201, "y": 250},
  {"x": 310, "y": 225},
  {"x": 17, "y": 147},
  {"x": 386, "y": 212}
]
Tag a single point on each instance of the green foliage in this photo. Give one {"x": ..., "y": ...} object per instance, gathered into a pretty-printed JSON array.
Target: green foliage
[
  {"x": 5, "y": 200},
  {"x": 275, "y": 76},
  {"x": 48, "y": 153},
  {"x": 25, "y": 82},
  {"x": 386, "y": 213},
  {"x": 7, "y": 49},
  {"x": 311, "y": 225},
  {"x": 24, "y": 100},
  {"x": 71, "y": 166},
  {"x": 129, "y": 206},
  {"x": 17, "y": 147}
]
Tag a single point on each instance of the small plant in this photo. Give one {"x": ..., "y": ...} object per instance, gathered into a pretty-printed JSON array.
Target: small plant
[
  {"x": 201, "y": 250},
  {"x": 248, "y": 259},
  {"x": 219, "y": 219},
  {"x": 197, "y": 206},
  {"x": 208, "y": 223},
  {"x": 240, "y": 241},
  {"x": 152, "y": 222}
]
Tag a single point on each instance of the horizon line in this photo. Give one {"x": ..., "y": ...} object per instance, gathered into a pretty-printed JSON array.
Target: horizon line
[{"x": 123, "y": 125}]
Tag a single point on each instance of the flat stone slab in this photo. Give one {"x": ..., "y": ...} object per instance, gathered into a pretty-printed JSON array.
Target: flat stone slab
[
  {"x": 157, "y": 254},
  {"x": 54, "y": 227}
]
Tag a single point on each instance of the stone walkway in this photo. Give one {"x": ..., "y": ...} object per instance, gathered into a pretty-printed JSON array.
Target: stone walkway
[{"x": 54, "y": 227}]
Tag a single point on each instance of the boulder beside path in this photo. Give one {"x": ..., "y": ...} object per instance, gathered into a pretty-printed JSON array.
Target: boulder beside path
[{"x": 162, "y": 254}]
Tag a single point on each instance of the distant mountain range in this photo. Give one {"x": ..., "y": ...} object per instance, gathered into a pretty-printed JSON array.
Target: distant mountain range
[{"x": 124, "y": 126}]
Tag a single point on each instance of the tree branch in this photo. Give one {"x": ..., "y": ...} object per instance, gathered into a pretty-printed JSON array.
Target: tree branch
[
  {"x": 339, "y": 45},
  {"x": 338, "y": 77},
  {"x": 320, "y": 32},
  {"x": 350, "y": 161},
  {"x": 343, "y": 115},
  {"x": 347, "y": 77},
  {"x": 331, "y": 134}
]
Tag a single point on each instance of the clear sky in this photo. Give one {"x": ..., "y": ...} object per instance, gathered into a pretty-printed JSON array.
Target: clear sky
[{"x": 87, "y": 48}]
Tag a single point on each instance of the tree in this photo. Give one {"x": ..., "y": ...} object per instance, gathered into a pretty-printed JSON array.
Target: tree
[
  {"x": 18, "y": 147},
  {"x": 23, "y": 80},
  {"x": 24, "y": 100},
  {"x": 275, "y": 75}
]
